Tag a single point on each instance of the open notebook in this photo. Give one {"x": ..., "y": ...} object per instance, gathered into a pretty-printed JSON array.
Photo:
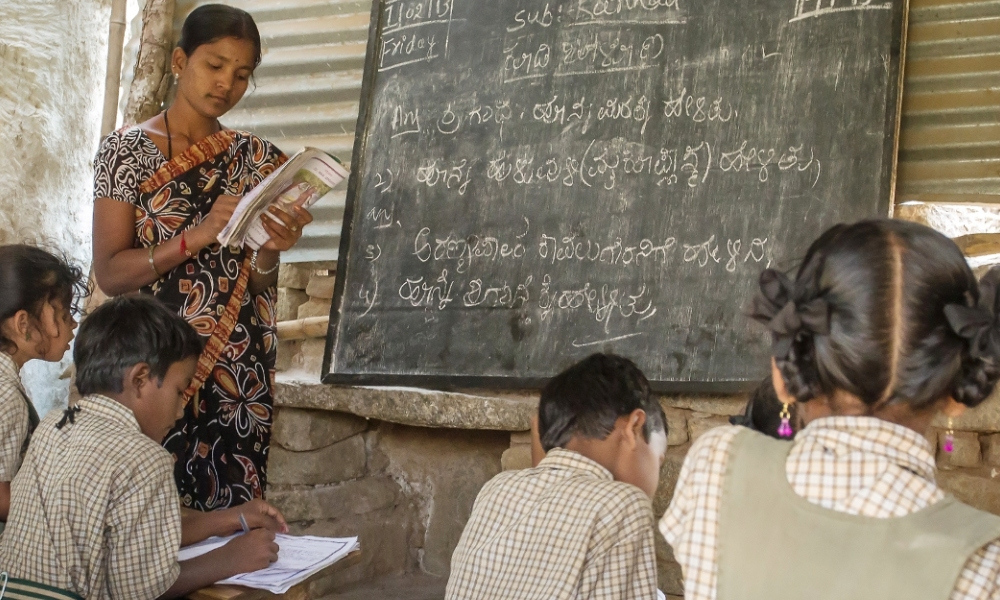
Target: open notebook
[{"x": 299, "y": 557}]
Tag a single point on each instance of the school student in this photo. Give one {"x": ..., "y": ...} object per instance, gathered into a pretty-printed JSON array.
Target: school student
[
  {"x": 882, "y": 328},
  {"x": 38, "y": 292},
  {"x": 580, "y": 524},
  {"x": 94, "y": 509}
]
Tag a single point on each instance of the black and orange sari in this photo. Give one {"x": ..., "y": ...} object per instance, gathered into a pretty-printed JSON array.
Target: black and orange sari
[{"x": 221, "y": 443}]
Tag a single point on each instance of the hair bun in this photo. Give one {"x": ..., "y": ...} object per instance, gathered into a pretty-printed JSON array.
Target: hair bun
[{"x": 979, "y": 324}]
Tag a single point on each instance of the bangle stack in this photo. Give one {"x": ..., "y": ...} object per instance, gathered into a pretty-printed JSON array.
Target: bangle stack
[{"x": 253, "y": 265}]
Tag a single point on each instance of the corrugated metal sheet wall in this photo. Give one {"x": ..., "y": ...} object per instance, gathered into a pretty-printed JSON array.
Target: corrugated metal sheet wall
[
  {"x": 307, "y": 94},
  {"x": 950, "y": 138}
]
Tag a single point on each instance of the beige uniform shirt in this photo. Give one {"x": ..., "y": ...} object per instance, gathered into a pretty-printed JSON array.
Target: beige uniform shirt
[
  {"x": 856, "y": 465},
  {"x": 94, "y": 508},
  {"x": 565, "y": 529},
  {"x": 14, "y": 419}
]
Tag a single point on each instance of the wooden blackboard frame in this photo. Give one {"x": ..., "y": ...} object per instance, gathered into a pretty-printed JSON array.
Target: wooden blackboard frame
[{"x": 900, "y": 16}]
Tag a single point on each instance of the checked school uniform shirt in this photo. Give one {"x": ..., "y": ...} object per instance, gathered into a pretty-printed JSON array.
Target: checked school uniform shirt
[
  {"x": 564, "y": 529},
  {"x": 94, "y": 508},
  {"x": 855, "y": 465},
  {"x": 15, "y": 419}
]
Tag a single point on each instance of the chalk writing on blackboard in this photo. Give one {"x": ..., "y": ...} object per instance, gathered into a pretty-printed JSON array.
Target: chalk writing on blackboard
[
  {"x": 805, "y": 9},
  {"x": 539, "y": 179}
]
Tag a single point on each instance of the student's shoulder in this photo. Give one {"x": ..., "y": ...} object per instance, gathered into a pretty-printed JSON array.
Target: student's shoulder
[
  {"x": 100, "y": 438},
  {"x": 503, "y": 483},
  {"x": 714, "y": 444},
  {"x": 12, "y": 404},
  {"x": 619, "y": 500}
]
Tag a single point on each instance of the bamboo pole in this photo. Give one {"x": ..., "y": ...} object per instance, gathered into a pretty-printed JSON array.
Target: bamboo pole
[
  {"x": 113, "y": 74},
  {"x": 152, "y": 73},
  {"x": 303, "y": 329}
]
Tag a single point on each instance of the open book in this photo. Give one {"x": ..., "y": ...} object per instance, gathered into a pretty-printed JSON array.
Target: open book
[
  {"x": 304, "y": 179},
  {"x": 299, "y": 558}
]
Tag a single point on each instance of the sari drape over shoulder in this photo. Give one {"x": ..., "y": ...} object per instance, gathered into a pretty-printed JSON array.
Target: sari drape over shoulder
[{"x": 221, "y": 443}]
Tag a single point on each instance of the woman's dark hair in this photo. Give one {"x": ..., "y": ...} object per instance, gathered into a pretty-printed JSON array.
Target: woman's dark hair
[
  {"x": 124, "y": 332},
  {"x": 30, "y": 277},
  {"x": 888, "y": 311},
  {"x": 211, "y": 22},
  {"x": 589, "y": 397}
]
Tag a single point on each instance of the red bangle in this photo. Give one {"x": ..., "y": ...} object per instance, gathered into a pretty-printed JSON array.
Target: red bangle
[{"x": 184, "y": 246}]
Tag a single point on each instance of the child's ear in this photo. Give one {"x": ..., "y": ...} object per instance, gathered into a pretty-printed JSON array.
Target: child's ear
[
  {"x": 19, "y": 325},
  {"x": 136, "y": 379},
  {"x": 780, "y": 390},
  {"x": 636, "y": 420}
]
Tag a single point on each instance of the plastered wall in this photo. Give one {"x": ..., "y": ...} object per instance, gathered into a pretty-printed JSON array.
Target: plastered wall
[{"x": 52, "y": 65}]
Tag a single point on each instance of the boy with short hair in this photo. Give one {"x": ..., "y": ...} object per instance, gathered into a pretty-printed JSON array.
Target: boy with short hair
[
  {"x": 580, "y": 524},
  {"x": 94, "y": 509}
]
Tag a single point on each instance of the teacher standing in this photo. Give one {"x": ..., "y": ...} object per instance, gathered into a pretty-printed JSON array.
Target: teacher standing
[{"x": 163, "y": 191}]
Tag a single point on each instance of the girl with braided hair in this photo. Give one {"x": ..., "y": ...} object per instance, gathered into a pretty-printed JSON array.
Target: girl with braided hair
[{"x": 882, "y": 328}]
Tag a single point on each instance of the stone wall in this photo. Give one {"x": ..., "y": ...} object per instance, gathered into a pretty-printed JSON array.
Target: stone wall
[
  {"x": 304, "y": 290},
  {"x": 406, "y": 491}
]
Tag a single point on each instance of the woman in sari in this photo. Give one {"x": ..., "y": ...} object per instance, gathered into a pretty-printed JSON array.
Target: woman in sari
[{"x": 164, "y": 190}]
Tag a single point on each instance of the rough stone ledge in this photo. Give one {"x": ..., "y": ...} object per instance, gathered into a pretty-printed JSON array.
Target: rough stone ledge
[
  {"x": 409, "y": 406},
  {"x": 475, "y": 409}
]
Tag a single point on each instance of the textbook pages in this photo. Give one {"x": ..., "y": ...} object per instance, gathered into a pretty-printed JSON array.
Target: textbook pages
[
  {"x": 304, "y": 179},
  {"x": 299, "y": 558}
]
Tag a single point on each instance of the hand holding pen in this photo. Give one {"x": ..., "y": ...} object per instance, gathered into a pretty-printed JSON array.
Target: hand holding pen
[{"x": 258, "y": 514}]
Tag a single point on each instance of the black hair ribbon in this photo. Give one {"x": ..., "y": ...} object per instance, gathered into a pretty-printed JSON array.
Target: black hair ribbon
[
  {"x": 980, "y": 324},
  {"x": 777, "y": 307},
  {"x": 69, "y": 415}
]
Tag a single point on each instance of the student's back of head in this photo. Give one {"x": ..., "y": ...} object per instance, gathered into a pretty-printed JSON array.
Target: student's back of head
[
  {"x": 126, "y": 331},
  {"x": 589, "y": 397},
  {"x": 887, "y": 311},
  {"x": 592, "y": 398}
]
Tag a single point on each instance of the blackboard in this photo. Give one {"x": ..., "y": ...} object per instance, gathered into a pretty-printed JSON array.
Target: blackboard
[{"x": 537, "y": 180}]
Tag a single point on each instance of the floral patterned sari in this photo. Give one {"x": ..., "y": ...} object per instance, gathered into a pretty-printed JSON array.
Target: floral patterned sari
[{"x": 221, "y": 443}]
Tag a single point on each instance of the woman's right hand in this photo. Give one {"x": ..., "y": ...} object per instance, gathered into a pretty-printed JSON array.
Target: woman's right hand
[
  {"x": 250, "y": 552},
  {"x": 207, "y": 232}
]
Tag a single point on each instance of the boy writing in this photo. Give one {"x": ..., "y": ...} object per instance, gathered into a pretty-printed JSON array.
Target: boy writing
[
  {"x": 94, "y": 509},
  {"x": 580, "y": 524}
]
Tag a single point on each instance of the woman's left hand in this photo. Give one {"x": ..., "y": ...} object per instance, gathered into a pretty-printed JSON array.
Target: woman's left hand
[{"x": 286, "y": 233}]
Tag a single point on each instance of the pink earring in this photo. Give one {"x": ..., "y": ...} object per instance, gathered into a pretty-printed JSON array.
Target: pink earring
[
  {"x": 949, "y": 438},
  {"x": 785, "y": 429}
]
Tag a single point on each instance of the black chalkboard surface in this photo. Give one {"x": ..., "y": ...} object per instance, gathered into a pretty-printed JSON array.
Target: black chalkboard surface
[{"x": 537, "y": 180}]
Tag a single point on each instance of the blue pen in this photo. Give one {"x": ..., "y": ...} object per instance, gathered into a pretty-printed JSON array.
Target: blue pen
[{"x": 243, "y": 524}]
